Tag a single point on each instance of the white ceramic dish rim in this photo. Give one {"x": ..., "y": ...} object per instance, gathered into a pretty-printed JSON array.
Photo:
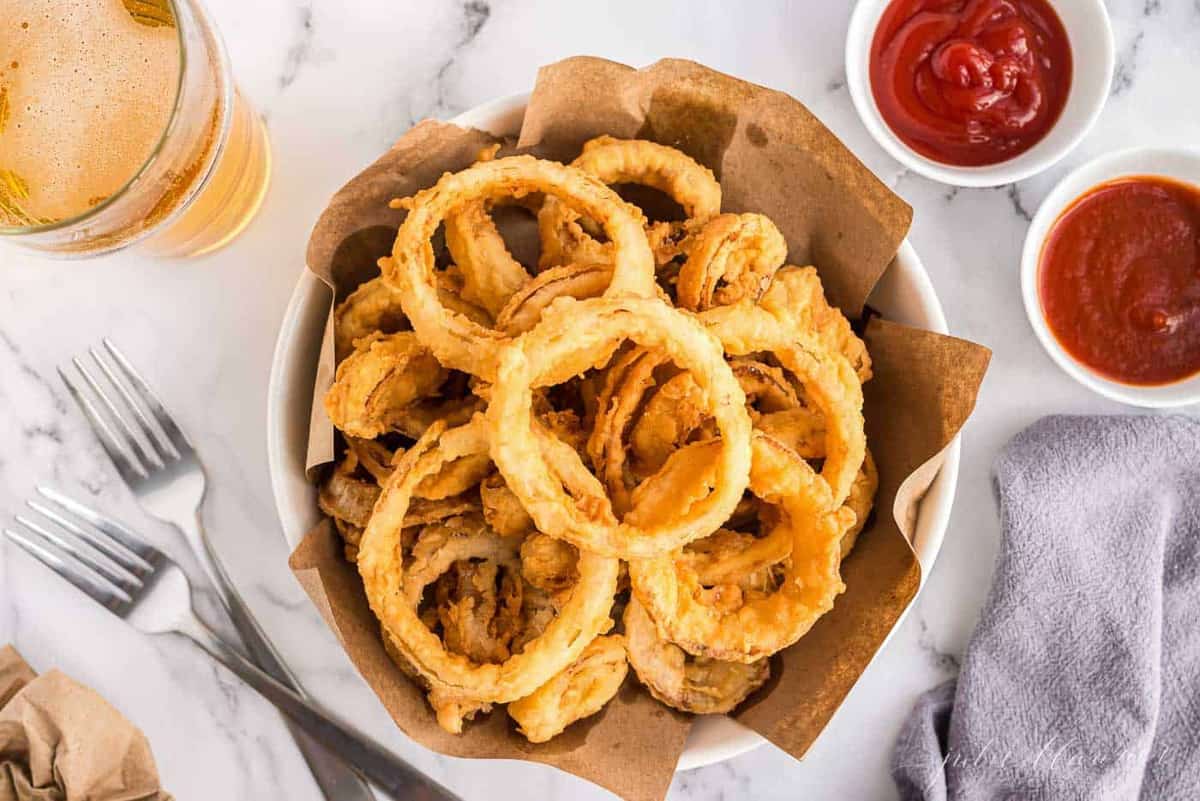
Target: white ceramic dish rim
[
  {"x": 1084, "y": 103},
  {"x": 289, "y": 400},
  {"x": 1182, "y": 164}
]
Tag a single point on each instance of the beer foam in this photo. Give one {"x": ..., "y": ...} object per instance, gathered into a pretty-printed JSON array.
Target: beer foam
[{"x": 89, "y": 92}]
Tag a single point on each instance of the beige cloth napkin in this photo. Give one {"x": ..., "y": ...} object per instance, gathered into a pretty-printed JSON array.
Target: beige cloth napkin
[{"x": 60, "y": 741}]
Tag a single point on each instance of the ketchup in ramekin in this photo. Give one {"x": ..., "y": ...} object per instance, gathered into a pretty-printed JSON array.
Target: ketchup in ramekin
[
  {"x": 1119, "y": 280},
  {"x": 970, "y": 82}
]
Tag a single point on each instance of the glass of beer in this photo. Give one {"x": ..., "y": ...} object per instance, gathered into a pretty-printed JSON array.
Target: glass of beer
[{"x": 120, "y": 124}]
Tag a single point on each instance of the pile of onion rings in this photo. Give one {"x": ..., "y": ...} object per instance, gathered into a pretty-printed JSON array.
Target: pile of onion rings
[{"x": 644, "y": 449}]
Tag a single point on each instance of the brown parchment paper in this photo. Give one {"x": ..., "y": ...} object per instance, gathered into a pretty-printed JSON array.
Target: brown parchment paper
[
  {"x": 771, "y": 156},
  {"x": 61, "y": 741}
]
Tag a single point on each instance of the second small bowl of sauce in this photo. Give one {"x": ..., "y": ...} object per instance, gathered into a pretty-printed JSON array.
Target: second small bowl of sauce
[
  {"x": 1110, "y": 276},
  {"x": 979, "y": 92}
]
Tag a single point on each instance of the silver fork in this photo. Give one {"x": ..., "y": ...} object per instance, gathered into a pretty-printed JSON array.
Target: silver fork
[
  {"x": 141, "y": 585},
  {"x": 161, "y": 467}
]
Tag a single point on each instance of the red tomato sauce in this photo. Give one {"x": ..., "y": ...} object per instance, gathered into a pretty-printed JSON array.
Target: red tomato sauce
[
  {"x": 970, "y": 82},
  {"x": 1119, "y": 280}
]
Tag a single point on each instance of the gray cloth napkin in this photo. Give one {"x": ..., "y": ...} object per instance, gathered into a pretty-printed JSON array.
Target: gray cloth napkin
[{"x": 1082, "y": 680}]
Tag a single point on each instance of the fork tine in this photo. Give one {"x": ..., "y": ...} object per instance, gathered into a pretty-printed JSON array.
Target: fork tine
[
  {"x": 153, "y": 433},
  {"x": 118, "y": 553},
  {"x": 118, "y": 576},
  {"x": 173, "y": 432},
  {"x": 135, "y": 444},
  {"x": 127, "y": 465},
  {"x": 147, "y": 553},
  {"x": 112, "y": 598}
]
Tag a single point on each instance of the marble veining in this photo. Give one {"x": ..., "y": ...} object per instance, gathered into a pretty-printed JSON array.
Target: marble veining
[
  {"x": 301, "y": 51},
  {"x": 338, "y": 81},
  {"x": 474, "y": 15},
  {"x": 1126, "y": 65}
]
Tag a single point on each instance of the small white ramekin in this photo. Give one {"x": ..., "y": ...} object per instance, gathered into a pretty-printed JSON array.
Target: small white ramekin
[
  {"x": 1092, "y": 55},
  {"x": 1181, "y": 164}
]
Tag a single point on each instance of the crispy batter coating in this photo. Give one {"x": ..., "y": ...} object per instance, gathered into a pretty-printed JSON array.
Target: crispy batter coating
[
  {"x": 374, "y": 307},
  {"x": 797, "y": 299},
  {"x": 829, "y": 383},
  {"x": 626, "y": 382},
  {"x": 375, "y": 384},
  {"x": 501, "y": 508},
  {"x": 416, "y": 418},
  {"x": 672, "y": 416},
  {"x": 860, "y": 501},
  {"x": 801, "y": 429},
  {"x": 373, "y": 456},
  {"x": 490, "y": 273},
  {"x": 527, "y": 304},
  {"x": 573, "y": 337},
  {"x": 550, "y": 565},
  {"x": 390, "y": 587},
  {"x": 727, "y": 623},
  {"x": 732, "y": 257},
  {"x": 661, "y": 412},
  {"x": 628, "y": 161},
  {"x": 767, "y": 388},
  {"x": 347, "y": 496},
  {"x": 458, "y": 342},
  {"x": 690, "y": 684},
  {"x": 479, "y": 608},
  {"x": 575, "y": 692}
]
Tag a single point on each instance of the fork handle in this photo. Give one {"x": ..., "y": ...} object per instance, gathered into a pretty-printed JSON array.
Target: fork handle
[
  {"x": 398, "y": 778},
  {"x": 338, "y": 782}
]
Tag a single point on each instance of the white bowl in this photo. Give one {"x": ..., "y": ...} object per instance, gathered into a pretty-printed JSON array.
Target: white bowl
[
  {"x": 1179, "y": 163},
  {"x": 904, "y": 295},
  {"x": 1092, "y": 53}
]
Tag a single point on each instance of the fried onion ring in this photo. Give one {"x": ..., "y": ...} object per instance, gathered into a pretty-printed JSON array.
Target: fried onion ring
[
  {"x": 732, "y": 557},
  {"x": 797, "y": 299},
  {"x": 577, "y": 691},
  {"x": 479, "y": 610},
  {"x": 628, "y": 161},
  {"x": 690, "y": 684},
  {"x": 372, "y": 307},
  {"x": 346, "y": 496},
  {"x": 458, "y": 342},
  {"x": 829, "y": 382},
  {"x": 490, "y": 273},
  {"x": 801, "y": 429},
  {"x": 625, "y": 383},
  {"x": 582, "y": 617},
  {"x": 640, "y": 423},
  {"x": 415, "y": 418},
  {"x": 422, "y": 512},
  {"x": 860, "y": 501},
  {"x": 373, "y": 456},
  {"x": 526, "y": 306},
  {"x": 549, "y": 564},
  {"x": 767, "y": 388},
  {"x": 563, "y": 498},
  {"x": 730, "y": 625},
  {"x": 731, "y": 258},
  {"x": 375, "y": 384},
  {"x": 455, "y": 477},
  {"x": 501, "y": 509},
  {"x": 638, "y": 161},
  {"x": 672, "y": 414}
]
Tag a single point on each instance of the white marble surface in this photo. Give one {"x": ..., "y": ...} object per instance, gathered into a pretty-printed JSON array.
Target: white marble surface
[{"x": 337, "y": 81}]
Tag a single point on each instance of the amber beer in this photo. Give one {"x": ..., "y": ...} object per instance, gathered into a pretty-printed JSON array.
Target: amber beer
[{"x": 120, "y": 123}]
